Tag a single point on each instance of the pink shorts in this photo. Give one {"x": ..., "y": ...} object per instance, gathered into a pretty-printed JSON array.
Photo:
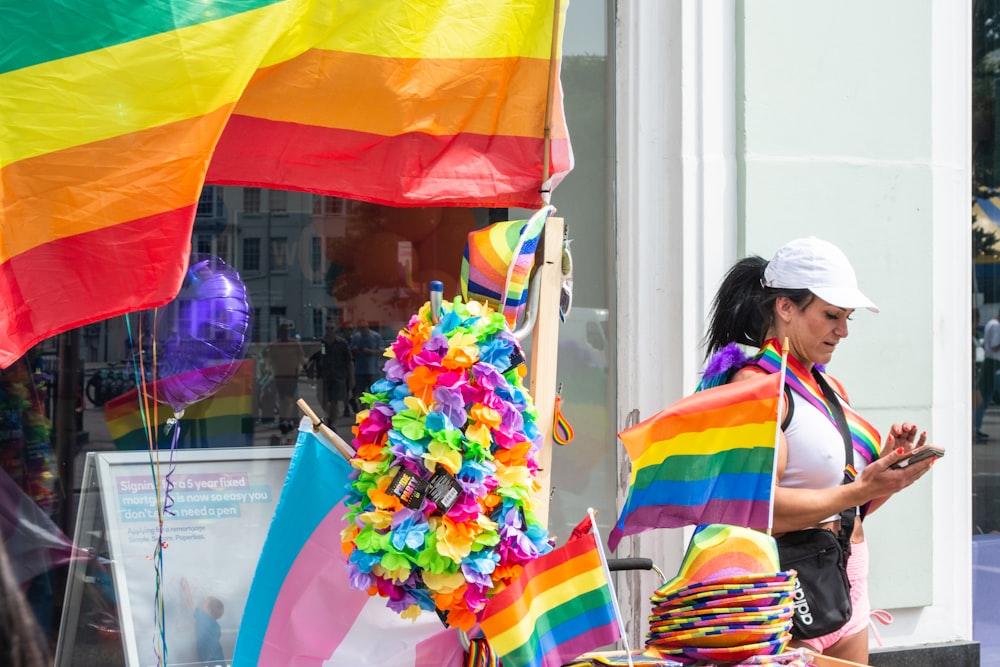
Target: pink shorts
[{"x": 857, "y": 574}]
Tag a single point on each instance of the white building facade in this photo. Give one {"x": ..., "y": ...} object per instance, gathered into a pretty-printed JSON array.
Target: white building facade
[{"x": 741, "y": 125}]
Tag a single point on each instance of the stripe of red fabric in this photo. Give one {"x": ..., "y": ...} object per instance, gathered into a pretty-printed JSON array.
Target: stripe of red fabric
[
  {"x": 73, "y": 281},
  {"x": 406, "y": 170}
]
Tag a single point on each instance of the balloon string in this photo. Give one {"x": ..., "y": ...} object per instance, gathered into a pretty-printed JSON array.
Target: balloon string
[
  {"x": 160, "y": 638},
  {"x": 168, "y": 497},
  {"x": 149, "y": 412}
]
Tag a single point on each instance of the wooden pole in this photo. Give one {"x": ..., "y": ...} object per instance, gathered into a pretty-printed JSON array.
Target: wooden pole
[
  {"x": 550, "y": 94},
  {"x": 545, "y": 354},
  {"x": 331, "y": 435}
]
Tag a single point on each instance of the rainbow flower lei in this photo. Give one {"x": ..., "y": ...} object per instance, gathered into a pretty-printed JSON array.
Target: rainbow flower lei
[{"x": 451, "y": 413}]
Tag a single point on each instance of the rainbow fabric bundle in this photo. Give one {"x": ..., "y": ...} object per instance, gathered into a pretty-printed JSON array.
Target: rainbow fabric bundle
[
  {"x": 729, "y": 602},
  {"x": 497, "y": 264}
]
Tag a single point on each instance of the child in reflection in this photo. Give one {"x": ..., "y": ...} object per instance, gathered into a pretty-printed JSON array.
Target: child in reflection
[{"x": 207, "y": 631}]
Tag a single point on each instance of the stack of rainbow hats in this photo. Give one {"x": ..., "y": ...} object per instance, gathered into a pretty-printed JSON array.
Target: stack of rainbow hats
[{"x": 728, "y": 603}]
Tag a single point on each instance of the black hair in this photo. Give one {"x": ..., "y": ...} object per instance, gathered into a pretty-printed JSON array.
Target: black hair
[{"x": 743, "y": 309}]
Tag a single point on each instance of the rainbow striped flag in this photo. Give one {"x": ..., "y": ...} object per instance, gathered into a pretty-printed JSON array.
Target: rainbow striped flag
[
  {"x": 114, "y": 114},
  {"x": 708, "y": 458},
  {"x": 560, "y": 607},
  {"x": 224, "y": 419}
]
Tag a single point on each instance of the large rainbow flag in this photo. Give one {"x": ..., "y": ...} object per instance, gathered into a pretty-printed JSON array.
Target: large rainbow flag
[
  {"x": 708, "y": 458},
  {"x": 301, "y": 609},
  {"x": 113, "y": 115},
  {"x": 558, "y": 608}
]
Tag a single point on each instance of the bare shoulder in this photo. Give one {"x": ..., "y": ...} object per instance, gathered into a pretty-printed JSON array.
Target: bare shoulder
[{"x": 746, "y": 373}]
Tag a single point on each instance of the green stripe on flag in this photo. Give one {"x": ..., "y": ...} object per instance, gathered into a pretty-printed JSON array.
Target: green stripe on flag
[
  {"x": 693, "y": 468},
  {"x": 572, "y": 609},
  {"x": 38, "y": 31}
]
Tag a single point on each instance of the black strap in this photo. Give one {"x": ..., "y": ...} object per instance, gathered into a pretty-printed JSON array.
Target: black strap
[{"x": 848, "y": 515}]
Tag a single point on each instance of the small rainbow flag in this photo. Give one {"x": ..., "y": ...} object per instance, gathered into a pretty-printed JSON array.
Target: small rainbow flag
[
  {"x": 560, "y": 607},
  {"x": 497, "y": 263},
  {"x": 224, "y": 419},
  {"x": 708, "y": 458}
]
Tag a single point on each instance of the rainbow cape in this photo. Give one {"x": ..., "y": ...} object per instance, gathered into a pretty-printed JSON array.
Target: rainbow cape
[
  {"x": 558, "y": 608},
  {"x": 706, "y": 459},
  {"x": 114, "y": 114}
]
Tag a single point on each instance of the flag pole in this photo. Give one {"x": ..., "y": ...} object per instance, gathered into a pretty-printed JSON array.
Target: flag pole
[
  {"x": 549, "y": 100},
  {"x": 607, "y": 573},
  {"x": 777, "y": 433},
  {"x": 318, "y": 426}
]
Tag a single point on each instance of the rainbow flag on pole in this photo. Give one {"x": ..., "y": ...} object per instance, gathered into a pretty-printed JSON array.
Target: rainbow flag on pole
[
  {"x": 114, "y": 114},
  {"x": 708, "y": 458},
  {"x": 560, "y": 607}
]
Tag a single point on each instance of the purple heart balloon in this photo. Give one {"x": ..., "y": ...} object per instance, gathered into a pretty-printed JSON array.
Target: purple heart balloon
[{"x": 203, "y": 335}]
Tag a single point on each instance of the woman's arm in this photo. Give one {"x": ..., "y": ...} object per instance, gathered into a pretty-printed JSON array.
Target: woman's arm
[{"x": 796, "y": 509}]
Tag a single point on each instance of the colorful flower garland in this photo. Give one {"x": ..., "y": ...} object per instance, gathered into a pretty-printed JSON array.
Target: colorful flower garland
[{"x": 440, "y": 501}]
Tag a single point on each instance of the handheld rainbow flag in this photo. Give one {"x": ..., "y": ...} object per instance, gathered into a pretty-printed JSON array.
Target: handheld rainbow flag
[
  {"x": 114, "y": 115},
  {"x": 301, "y": 609},
  {"x": 708, "y": 458},
  {"x": 560, "y": 607}
]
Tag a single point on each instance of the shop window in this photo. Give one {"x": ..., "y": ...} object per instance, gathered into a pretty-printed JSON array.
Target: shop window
[
  {"x": 316, "y": 259},
  {"x": 373, "y": 263},
  {"x": 278, "y": 201},
  {"x": 251, "y": 200},
  {"x": 279, "y": 255},
  {"x": 251, "y": 254}
]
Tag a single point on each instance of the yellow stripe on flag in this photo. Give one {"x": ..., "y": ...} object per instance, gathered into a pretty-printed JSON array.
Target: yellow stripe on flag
[
  {"x": 133, "y": 86},
  {"x": 711, "y": 441},
  {"x": 515, "y": 636}
]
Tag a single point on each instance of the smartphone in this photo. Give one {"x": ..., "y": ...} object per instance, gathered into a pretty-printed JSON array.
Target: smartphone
[{"x": 918, "y": 454}]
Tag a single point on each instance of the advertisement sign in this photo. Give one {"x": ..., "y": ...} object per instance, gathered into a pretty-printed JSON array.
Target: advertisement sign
[{"x": 217, "y": 507}]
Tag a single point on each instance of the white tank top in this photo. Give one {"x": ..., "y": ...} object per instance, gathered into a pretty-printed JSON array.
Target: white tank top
[{"x": 815, "y": 450}]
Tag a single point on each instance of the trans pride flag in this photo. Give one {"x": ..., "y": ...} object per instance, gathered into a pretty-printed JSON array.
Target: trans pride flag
[
  {"x": 114, "y": 114},
  {"x": 560, "y": 607},
  {"x": 301, "y": 609},
  {"x": 708, "y": 458}
]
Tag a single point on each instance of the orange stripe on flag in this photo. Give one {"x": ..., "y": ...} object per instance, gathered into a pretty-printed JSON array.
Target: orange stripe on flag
[
  {"x": 103, "y": 184},
  {"x": 539, "y": 582},
  {"x": 501, "y": 96},
  {"x": 726, "y": 406}
]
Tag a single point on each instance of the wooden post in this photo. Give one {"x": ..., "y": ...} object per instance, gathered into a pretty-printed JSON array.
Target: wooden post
[{"x": 545, "y": 354}]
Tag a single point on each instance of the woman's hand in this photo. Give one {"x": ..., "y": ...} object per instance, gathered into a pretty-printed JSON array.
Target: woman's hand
[
  {"x": 880, "y": 480},
  {"x": 904, "y": 435}
]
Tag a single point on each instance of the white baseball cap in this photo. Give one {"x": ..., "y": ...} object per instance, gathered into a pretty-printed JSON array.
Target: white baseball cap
[{"x": 820, "y": 267}]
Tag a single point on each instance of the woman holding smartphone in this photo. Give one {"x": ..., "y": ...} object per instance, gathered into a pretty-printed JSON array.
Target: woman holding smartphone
[{"x": 805, "y": 295}]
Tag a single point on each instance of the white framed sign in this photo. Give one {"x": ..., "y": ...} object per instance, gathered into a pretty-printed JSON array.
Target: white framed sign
[{"x": 220, "y": 506}]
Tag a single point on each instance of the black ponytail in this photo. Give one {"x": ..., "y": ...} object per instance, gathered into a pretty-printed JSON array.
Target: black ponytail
[{"x": 743, "y": 309}]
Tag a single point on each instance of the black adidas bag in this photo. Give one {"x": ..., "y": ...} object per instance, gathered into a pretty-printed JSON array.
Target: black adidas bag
[{"x": 822, "y": 598}]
